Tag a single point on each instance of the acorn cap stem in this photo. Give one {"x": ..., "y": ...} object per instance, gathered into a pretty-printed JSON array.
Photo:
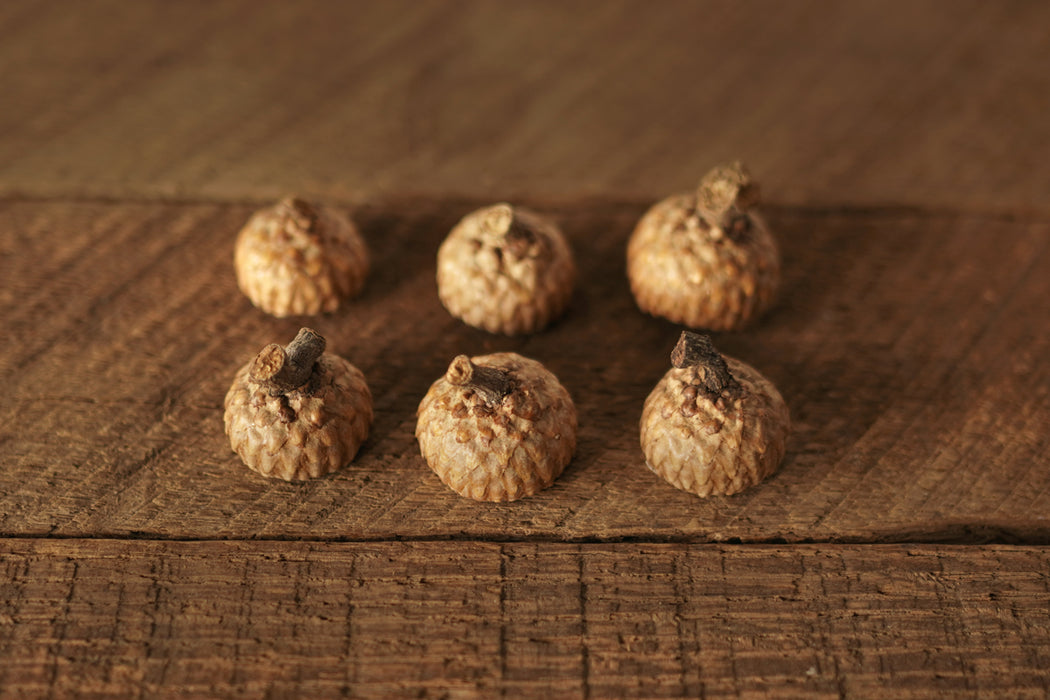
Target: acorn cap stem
[
  {"x": 284, "y": 369},
  {"x": 502, "y": 220},
  {"x": 696, "y": 350},
  {"x": 725, "y": 195},
  {"x": 491, "y": 383},
  {"x": 304, "y": 214}
]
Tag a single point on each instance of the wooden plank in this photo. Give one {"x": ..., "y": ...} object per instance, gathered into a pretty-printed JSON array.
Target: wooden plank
[
  {"x": 909, "y": 348},
  {"x": 394, "y": 619},
  {"x": 934, "y": 102}
]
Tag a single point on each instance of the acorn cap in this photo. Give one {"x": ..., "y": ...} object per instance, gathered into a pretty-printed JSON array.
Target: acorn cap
[
  {"x": 497, "y": 427},
  {"x": 713, "y": 425},
  {"x": 505, "y": 270},
  {"x": 298, "y": 413},
  {"x": 705, "y": 260},
  {"x": 295, "y": 259}
]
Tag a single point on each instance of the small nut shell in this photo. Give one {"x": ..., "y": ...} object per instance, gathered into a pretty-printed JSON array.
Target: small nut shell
[
  {"x": 699, "y": 447},
  {"x": 297, "y": 259},
  {"x": 684, "y": 268},
  {"x": 505, "y": 270},
  {"x": 305, "y": 433},
  {"x": 505, "y": 450}
]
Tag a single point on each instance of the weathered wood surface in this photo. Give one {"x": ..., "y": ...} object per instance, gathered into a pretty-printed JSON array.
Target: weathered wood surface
[
  {"x": 910, "y": 348},
  {"x": 904, "y": 145},
  {"x": 95, "y": 618},
  {"x": 923, "y": 103}
]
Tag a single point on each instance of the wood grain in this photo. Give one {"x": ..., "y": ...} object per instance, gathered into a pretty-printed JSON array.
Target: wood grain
[
  {"x": 95, "y": 618},
  {"x": 909, "y": 347},
  {"x": 938, "y": 103},
  {"x": 903, "y": 148}
]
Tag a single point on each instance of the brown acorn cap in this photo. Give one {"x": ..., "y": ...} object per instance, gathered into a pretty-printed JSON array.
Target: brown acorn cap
[
  {"x": 295, "y": 258},
  {"x": 705, "y": 260},
  {"x": 298, "y": 412},
  {"x": 497, "y": 427},
  {"x": 505, "y": 270},
  {"x": 713, "y": 425}
]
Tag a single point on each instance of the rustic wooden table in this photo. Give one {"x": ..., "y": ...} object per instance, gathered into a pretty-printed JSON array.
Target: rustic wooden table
[{"x": 900, "y": 552}]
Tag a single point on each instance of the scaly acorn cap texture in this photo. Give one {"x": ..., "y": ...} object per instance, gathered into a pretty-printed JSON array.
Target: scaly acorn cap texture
[
  {"x": 505, "y": 270},
  {"x": 298, "y": 412},
  {"x": 707, "y": 259},
  {"x": 497, "y": 427},
  {"x": 713, "y": 425},
  {"x": 295, "y": 258}
]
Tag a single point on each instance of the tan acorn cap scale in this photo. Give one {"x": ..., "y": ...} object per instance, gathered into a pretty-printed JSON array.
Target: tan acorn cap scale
[
  {"x": 297, "y": 259},
  {"x": 713, "y": 425},
  {"x": 705, "y": 260},
  {"x": 505, "y": 270},
  {"x": 298, "y": 412},
  {"x": 497, "y": 427}
]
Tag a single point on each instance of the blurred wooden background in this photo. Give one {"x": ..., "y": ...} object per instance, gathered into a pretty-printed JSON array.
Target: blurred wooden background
[
  {"x": 904, "y": 153},
  {"x": 933, "y": 104}
]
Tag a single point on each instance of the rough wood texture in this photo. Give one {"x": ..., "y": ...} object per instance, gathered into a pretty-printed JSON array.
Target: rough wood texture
[
  {"x": 96, "y": 618},
  {"x": 905, "y": 146},
  {"x": 910, "y": 348},
  {"x": 921, "y": 102}
]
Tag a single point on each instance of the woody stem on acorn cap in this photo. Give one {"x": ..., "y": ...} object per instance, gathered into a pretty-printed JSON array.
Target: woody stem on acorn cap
[
  {"x": 696, "y": 350},
  {"x": 503, "y": 221},
  {"x": 725, "y": 195},
  {"x": 283, "y": 369},
  {"x": 300, "y": 211},
  {"x": 491, "y": 383}
]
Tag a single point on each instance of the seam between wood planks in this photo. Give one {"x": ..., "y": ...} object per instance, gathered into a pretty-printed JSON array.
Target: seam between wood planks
[
  {"x": 961, "y": 535},
  {"x": 456, "y": 200}
]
